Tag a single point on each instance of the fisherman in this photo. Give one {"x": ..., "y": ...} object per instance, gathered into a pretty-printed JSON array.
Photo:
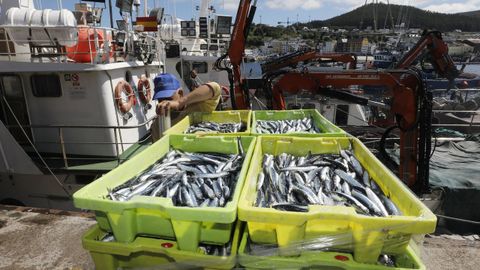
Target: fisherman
[{"x": 170, "y": 96}]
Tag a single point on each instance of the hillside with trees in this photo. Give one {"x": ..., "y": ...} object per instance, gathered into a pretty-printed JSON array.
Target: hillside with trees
[
  {"x": 362, "y": 17},
  {"x": 411, "y": 16}
]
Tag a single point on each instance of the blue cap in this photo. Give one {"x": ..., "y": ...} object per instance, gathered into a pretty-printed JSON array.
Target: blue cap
[{"x": 165, "y": 85}]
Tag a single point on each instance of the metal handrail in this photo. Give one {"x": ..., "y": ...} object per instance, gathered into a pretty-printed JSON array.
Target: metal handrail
[
  {"x": 86, "y": 126},
  {"x": 62, "y": 142}
]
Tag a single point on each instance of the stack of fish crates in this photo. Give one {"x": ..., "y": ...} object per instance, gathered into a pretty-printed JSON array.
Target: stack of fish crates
[
  {"x": 251, "y": 231},
  {"x": 300, "y": 230},
  {"x": 142, "y": 231}
]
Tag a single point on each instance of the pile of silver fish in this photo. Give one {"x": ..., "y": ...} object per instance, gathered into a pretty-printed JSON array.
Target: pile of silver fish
[
  {"x": 189, "y": 179},
  {"x": 292, "y": 183},
  {"x": 229, "y": 127},
  {"x": 287, "y": 126}
]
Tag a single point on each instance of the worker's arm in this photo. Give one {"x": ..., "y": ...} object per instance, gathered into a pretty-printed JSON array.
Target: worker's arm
[{"x": 202, "y": 93}]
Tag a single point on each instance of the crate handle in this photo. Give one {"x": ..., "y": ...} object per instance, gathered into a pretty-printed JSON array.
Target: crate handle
[
  {"x": 190, "y": 139},
  {"x": 301, "y": 113},
  {"x": 269, "y": 113},
  {"x": 285, "y": 140},
  {"x": 228, "y": 139}
]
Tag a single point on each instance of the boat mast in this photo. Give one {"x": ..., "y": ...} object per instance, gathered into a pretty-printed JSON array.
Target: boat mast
[{"x": 204, "y": 8}]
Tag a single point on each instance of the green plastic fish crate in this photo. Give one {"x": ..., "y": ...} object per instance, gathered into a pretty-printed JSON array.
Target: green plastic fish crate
[
  {"x": 340, "y": 226},
  {"x": 153, "y": 253},
  {"x": 326, "y": 127},
  {"x": 319, "y": 260},
  {"x": 157, "y": 216},
  {"x": 243, "y": 116}
]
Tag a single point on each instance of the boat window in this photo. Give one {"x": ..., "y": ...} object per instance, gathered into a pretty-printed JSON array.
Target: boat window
[
  {"x": 6, "y": 45},
  {"x": 46, "y": 85},
  {"x": 12, "y": 86},
  {"x": 200, "y": 67}
]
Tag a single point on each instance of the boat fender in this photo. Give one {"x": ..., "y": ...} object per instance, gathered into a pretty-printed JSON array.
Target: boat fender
[
  {"x": 124, "y": 106},
  {"x": 144, "y": 91}
]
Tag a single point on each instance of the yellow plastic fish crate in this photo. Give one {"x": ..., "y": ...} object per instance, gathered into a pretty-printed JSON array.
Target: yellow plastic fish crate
[
  {"x": 268, "y": 259},
  {"x": 326, "y": 127},
  {"x": 157, "y": 216},
  {"x": 339, "y": 226},
  {"x": 243, "y": 116},
  {"x": 153, "y": 253}
]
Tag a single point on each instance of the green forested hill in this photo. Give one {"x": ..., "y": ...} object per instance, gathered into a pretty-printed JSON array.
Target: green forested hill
[{"x": 415, "y": 17}]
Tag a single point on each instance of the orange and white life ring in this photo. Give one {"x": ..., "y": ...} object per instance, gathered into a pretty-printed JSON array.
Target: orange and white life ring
[
  {"x": 144, "y": 94},
  {"x": 124, "y": 86},
  {"x": 225, "y": 93}
]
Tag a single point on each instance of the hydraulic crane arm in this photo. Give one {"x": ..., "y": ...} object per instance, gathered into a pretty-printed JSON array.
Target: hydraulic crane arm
[
  {"x": 301, "y": 56},
  {"x": 405, "y": 86},
  {"x": 438, "y": 50},
  {"x": 245, "y": 13}
]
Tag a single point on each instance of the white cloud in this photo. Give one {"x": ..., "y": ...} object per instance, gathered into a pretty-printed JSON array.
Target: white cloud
[
  {"x": 230, "y": 5},
  {"x": 311, "y": 4},
  {"x": 293, "y": 4},
  {"x": 454, "y": 7}
]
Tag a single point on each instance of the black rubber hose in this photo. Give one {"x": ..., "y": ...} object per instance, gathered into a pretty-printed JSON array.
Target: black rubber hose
[{"x": 389, "y": 161}]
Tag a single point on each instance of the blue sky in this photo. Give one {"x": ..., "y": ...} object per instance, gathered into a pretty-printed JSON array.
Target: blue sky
[{"x": 273, "y": 11}]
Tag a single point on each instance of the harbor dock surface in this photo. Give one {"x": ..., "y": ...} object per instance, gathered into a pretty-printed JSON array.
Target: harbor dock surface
[{"x": 32, "y": 238}]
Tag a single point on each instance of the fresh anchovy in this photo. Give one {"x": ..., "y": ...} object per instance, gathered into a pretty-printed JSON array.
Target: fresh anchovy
[
  {"x": 292, "y": 183},
  {"x": 374, "y": 198},
  {"x": 357, "y": 168},
  {"x": 108, "y": 238},
  {"x": 366, "y": 178},
  {"x": 300, "y": 168},
  {"x": 391, "y": 207},
  {"x": 261, "y": 178},
  {"x": 216, "y": 250},
  {"x": 352, "y": 201},
  {"x": 367, "y": 202},
  {"x": 349, "y": 179},
  {"x": 212, "y": 127},
  {"x": 290, "y": 207},
  {"x": 386, "y": 260},
  {"x": 305, "y": 125},
  {"x": 189, "y": 179},
  {"x": 376, "y": 188}
]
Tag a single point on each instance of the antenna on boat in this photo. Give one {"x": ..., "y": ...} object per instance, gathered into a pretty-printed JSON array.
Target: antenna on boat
[
  {"x": 110, "y": 11},
  {"x": 145, "y": 8}
]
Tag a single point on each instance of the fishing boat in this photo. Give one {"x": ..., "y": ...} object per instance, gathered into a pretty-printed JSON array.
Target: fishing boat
[
  {"x": 383, "y": 60},
  {"x": 75, "y": 99}
]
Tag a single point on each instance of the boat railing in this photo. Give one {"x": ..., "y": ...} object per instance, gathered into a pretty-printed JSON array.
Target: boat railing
[
  {"x": 94, "y": 45},
  {"x": 66, "y": 160}
]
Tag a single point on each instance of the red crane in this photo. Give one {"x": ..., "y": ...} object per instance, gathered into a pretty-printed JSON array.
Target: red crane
[{"x": 409, "y": 107}]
